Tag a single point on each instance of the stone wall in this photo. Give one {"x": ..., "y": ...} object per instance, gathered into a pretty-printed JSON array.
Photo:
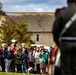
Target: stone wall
[{"x": 44, "y": 38}]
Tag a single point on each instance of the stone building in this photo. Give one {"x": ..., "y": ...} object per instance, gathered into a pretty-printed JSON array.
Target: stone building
[{"x": 39, "y": 23}]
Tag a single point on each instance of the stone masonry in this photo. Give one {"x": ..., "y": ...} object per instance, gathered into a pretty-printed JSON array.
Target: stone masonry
[{"x": 39, "y": 23}]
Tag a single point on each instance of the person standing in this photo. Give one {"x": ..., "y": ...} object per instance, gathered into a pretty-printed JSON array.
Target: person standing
[
  {"x": 43, "y": 57},
  {"x": 68, "y": 40},
  {"x": 4, "y": 48},
  {"x": 23, "y": 60},
  {"x": 13, "y": 48},
  {"x": 17, "y": 55},
  {"x": 7, "y": 59}
]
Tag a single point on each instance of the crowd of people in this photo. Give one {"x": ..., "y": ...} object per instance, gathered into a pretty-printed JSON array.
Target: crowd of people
[{"x": 19, "y": 58}]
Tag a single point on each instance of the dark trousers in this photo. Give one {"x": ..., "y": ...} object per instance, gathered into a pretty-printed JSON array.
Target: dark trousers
[
  {"x": 18, "y": 68},
  {"x": 38, "y": 68},
  {"x": 68, "y": 58},
  {"x": 57, "y": 70},
  {"x": 31, "y": 64},
  {"x": 3, "y": 65},
  {"x": 12, "y": 65}
]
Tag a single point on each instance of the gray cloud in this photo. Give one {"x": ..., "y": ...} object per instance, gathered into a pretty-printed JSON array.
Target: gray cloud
[
  {"x": 32, "y": 5},
  {"x": 23, "y": 2}
]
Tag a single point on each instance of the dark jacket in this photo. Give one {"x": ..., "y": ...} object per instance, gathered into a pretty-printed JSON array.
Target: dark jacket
[
  {"x": 1, "y": 53},
  {"x": 61, "y": 19},
  {"x": 17, "y": 55},
  {"x": 7, "y": 55},
  {"x": 31, "y": 58},
  {"x": 23, "y": 58}
]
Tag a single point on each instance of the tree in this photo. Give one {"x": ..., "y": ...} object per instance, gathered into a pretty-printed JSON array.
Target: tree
[
  {"x": 1, "y": 5},
  {"x": 11, "y": 30},
  {"x": 1, "y": 11}
]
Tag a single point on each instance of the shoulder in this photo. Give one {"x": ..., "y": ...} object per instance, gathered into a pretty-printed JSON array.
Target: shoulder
[{"x": 59, "y": 11}]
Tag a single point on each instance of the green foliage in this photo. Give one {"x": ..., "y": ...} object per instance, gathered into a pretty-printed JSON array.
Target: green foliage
[
  {"x": 29, "y": 43},
  {"x": 12, "y": 30},
  {"x": 1, "y": 12}
]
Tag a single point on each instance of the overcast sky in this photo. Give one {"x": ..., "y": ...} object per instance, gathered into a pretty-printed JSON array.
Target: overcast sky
[{"x": 32, "y": 5}]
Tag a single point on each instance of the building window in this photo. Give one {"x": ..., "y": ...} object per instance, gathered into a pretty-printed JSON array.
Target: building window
[{"x": 37, "y": 38}]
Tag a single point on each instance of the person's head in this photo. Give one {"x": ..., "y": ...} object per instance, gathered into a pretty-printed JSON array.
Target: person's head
[
  {"x": 71, "y": 1},
  {"x": 9, "y": 48},
  {"x": 30, "y": 53},
  {"x": 23, "y": 45},
  {"x": 35, "y": 47}
]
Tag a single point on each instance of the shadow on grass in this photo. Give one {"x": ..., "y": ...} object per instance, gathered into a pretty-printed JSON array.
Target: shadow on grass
[{"x": 14, "y": 73}]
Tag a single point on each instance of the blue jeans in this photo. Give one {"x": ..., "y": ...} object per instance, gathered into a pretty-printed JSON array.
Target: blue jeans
[
  {"x": 23, "y": 67},
  {"x": 7, "y": 65}
]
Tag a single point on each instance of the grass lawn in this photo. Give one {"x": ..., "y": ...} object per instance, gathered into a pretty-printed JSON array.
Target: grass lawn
[{"x": 10, "y": 73}]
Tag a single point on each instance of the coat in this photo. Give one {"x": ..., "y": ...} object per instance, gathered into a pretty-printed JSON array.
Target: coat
[
  {"x": 17, "y": 55},
  {"x": 43, "y": 56}
]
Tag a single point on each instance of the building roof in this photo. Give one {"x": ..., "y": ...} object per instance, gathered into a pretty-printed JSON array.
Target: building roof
[
  {"x": 36, "y": 21},
  {"x": 30, "y": 13}
]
